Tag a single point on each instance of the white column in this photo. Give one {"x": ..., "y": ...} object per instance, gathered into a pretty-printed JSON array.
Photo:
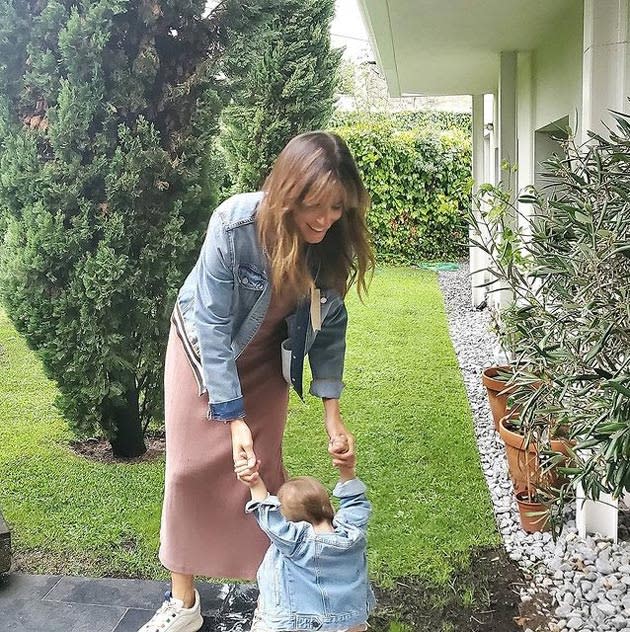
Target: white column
[
  {"x": 605, "y": 86},
  {"x": 525, "y": 127},
  {"x": 606, "y": 68},
  {"x": 478, "y": 260},
  {"x": 507, "y": 117},
  {"x": 596, "y": 516},
  {"x": 491, "y": 150},
  {"x": 507, "y": 122}
]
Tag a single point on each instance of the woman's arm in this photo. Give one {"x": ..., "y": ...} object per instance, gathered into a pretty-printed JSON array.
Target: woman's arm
[
  {"x": 326, "y": 357},
  {"x": 327, "y": 353},
  {"x": 242, "y": 443},
  {"x": 213, "y": 318}
]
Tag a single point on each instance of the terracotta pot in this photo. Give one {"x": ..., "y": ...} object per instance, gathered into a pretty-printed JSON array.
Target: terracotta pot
[
  {"x": 497, "y": 399},
  {"x": 530, "y": 513},
  {"x": 524, "y": 466}
]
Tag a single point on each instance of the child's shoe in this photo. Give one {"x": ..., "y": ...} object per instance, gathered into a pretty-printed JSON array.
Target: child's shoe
[{"x": 171, "y": 616}]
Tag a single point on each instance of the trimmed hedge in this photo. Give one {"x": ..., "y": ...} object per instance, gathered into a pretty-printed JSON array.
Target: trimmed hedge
[
  {"x": 420, "y": 181},
  {"x": 407, "y": 119}
]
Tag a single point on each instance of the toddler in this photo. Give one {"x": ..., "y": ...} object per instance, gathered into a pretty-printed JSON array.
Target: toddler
[{"x": 314, "y": 574}]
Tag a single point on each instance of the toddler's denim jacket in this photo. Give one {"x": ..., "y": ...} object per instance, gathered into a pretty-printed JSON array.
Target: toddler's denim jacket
[{"x": 315, "y": 581}]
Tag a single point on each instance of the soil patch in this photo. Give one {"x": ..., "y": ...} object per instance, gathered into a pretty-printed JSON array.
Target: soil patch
[
  {"x": 100, "y": 450},
  {"x": 482, "y": 598},
  {"x": 537, "y": 611}
]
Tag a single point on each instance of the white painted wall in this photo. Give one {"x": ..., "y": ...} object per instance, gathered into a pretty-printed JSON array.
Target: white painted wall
[
  {"x": 606, "y": 63},
  {"x": 549, "y": 88},
  {"x": 557, "y": 70}
]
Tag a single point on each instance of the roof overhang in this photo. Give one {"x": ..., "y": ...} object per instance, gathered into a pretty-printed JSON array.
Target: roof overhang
[{"x": 441, "y": 47}]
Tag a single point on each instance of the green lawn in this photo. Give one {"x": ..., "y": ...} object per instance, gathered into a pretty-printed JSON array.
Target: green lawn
[{"x": 404, "y": 401}]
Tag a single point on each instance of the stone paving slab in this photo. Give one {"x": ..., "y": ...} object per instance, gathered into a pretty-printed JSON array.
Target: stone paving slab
[
  {"x": 26, "y": 586},
  {"x": 45, "y": 603},
  {"x": 133, "y": 620},
  {"x": 127, "y": 593},
  {"x": 28, "y": 615}
]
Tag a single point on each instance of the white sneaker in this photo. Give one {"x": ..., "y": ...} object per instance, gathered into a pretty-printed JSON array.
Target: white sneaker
[{"x": 171, "y": 616}]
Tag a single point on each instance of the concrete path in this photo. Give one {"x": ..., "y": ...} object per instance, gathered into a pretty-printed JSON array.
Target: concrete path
[{"x": 45, "y": 603}]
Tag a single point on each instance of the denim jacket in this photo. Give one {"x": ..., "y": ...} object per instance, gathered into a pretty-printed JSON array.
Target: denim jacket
[
  {"x": 315, "y": 581},
  {"x": 223, "y": 302}
]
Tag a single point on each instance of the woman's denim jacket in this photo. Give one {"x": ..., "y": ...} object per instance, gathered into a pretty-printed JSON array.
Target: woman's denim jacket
[
  {"x": 223, "y": 302},
  {"x": 315, "y": 581}
]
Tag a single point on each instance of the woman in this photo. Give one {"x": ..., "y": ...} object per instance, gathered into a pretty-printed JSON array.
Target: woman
[{"x": 272, "y": 273}]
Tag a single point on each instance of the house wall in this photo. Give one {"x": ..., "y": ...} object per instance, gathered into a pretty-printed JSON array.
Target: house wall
[
  {"x": 547, "y": 82},
  {"x": 557, "y": 70},
  {"x": 549, "y": 90},
  {"x": 547, "y": 85}
]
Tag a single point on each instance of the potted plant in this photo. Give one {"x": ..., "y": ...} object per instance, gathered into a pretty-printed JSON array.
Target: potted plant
[
  {"x": 492, "y": 225},
  {"x": 533, "y": 510},
  {"x": 528, "y": 463},
  {"x": 563, "y": 261}
]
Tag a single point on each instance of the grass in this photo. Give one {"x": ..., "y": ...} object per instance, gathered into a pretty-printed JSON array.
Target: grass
[
  {"x": 399, "y": 627},
  {"x": 405, "y": 402}
]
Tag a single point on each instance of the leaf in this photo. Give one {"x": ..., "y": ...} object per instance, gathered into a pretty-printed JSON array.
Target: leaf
[{"x": 619, "y": 387}]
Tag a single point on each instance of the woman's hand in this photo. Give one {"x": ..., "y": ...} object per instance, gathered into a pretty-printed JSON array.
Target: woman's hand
[
  {"x": 246, "y": 474},
  {"x": 251, "y": 477},
  {"x": 341, "y": 442},
  {"x": 341, "y": 448},
  {"x": 242, "y": 444}
]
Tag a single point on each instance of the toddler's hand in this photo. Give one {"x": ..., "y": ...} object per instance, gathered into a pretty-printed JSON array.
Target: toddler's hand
[{"x": 246, "y": 474}]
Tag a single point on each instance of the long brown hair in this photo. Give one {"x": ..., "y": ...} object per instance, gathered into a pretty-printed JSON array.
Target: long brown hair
[{"x": 310, "y": 165}]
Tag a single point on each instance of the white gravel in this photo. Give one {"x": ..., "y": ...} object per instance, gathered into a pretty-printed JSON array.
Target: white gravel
[{"x": 578, "y": 584}]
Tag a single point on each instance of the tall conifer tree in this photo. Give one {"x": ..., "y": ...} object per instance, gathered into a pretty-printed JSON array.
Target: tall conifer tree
[
  {"x": 285, "y": 80},
  {"x": 108, "y": 116}
]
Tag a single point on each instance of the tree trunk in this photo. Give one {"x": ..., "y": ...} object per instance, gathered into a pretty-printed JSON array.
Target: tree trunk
[{"x": 129, "y": 439}]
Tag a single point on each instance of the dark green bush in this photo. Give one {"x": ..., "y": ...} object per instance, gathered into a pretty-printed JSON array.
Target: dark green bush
[{"x": 419, "y": 180}]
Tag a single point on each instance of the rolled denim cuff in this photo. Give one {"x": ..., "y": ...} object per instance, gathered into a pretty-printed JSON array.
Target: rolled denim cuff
[
  {"x": 270, "y": 501},
  {"x": 226, "y": 411},
  {"x": 346, "y": 489},
  {"x": 328, "y": 388}
]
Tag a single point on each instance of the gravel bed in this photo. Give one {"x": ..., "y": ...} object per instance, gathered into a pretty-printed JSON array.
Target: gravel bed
[{"x": 574, "y": 583}]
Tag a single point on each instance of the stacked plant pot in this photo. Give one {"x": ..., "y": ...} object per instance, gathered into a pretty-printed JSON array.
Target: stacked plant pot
[{"x": 531, "y": 477}]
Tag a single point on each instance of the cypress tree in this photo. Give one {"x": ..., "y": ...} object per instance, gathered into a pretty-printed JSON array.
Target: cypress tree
[
  {"x": 284, "y": 80},
  {"x": 108, "y": 119}
]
